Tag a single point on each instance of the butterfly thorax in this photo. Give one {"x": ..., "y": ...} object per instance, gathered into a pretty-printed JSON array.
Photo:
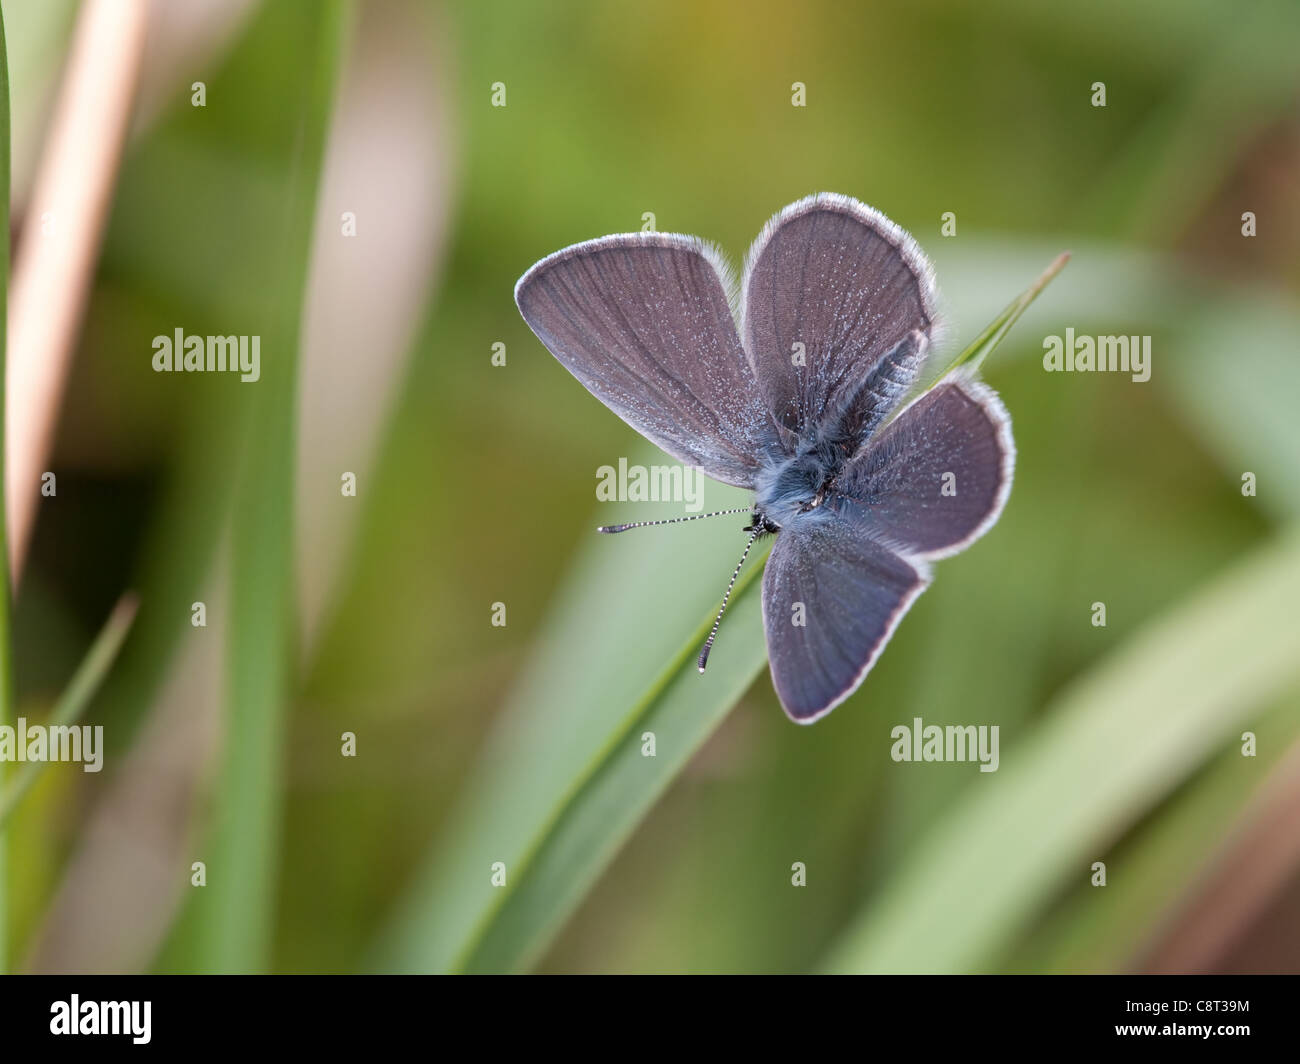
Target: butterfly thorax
[{"x": 794, "y": 489}]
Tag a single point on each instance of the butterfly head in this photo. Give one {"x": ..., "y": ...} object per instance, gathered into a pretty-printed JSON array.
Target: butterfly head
[{"x": 761, "y": 524}]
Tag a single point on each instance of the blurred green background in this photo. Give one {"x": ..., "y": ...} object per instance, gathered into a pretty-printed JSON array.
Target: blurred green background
[{"x": 478, "y": 743}]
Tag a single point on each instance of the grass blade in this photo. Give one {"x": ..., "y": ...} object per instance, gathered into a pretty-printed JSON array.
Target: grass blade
[
  {"x": 6, "y": 649},
  {"x": 229, "y": 926},
  {"x": 1091, "y": 931},
  {"x": 1251, "y": 869},
  {"x": 1111, "y": 746},
  {"x": 562, "y": 783},
  {"x": 606, "y": 806},
  {"x": 982, "y": 346},
  {"x": 80, "y": 690},
  {"x": 260, "y": 638}
]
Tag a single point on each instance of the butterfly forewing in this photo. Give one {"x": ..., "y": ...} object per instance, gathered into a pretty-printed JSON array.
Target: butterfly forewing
[
  {"x": 830, "y": 288},
  {"x": 643, "y": 321}
]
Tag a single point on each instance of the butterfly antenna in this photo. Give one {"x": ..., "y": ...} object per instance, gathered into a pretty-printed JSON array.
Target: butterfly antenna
[
  {"x": 708, "y": 644},
  {"x": 670, "y": 520}
]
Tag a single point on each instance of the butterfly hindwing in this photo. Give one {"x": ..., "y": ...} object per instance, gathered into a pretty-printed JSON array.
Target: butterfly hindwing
[
  {"x": 832, "y": 597},
  {"x": 937, "y": 476}
]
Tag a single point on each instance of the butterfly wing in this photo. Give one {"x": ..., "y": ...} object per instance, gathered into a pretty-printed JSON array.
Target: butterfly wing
[
  {"x": 927, "y": 486},
  {"x": 832, "y": 597},
  {"x": 935, "y": 478},
  {"x": 840, "y": 279},
  {"x": 645, "y": 323}
]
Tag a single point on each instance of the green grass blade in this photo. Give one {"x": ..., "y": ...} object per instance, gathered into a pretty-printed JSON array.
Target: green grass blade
[
  {"x": 229, "y": 927},
  {"x": 1243, "y": 407},
  {"x": 1113, "y": 744},
  {"x": 983, "y": 345},
  {"x": 622, "y": 785},
  {"x": 6, "y": 648},
  {"x": 80, "y": 690},
  {"x": 563, "y": 782},
  {"x": 1099, "y": 931}
]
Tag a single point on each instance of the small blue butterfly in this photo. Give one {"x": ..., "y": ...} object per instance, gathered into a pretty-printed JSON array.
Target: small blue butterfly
[{"x": 837, "y": 310}]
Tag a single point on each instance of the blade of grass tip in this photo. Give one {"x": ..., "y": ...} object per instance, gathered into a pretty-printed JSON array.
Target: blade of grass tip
[
  {"x": 80, "y": 690},
  {"x": 982, "y": 346},
  {"x": 6, "y": 662},
  {"x": 231, "y": 921}
]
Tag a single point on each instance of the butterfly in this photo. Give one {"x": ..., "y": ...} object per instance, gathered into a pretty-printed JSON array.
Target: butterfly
[{"x": 797, "y": 385}]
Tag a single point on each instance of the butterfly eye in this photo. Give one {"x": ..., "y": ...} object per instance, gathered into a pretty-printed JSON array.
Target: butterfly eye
[{"x": 815, "y": 501}]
